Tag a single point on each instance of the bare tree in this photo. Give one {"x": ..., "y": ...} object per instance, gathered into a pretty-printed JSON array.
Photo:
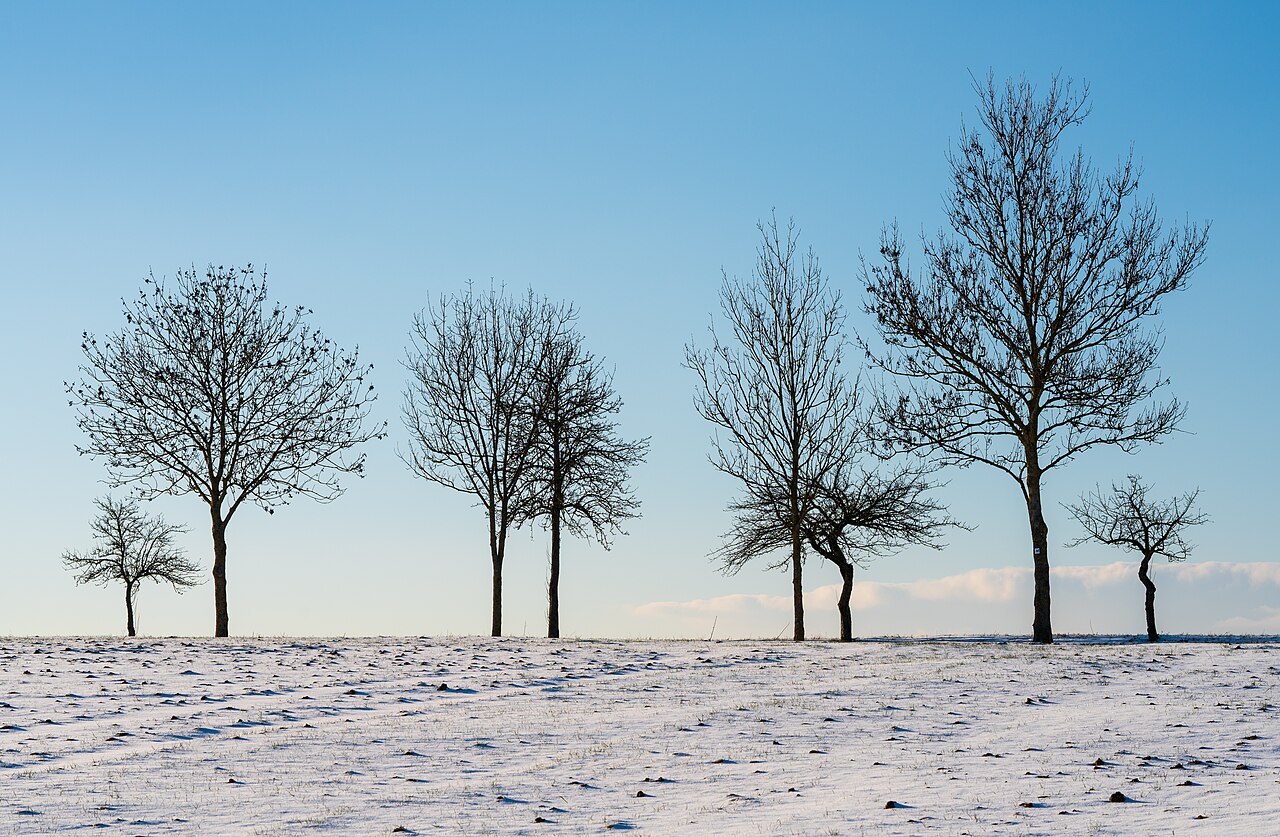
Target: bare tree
[
  {"x": 475, "y": 360},
  {"x": 867, "y": 515},
  {"x": 580, "y": 469},
  {"x": 775, "y": 388},
  {"x": 1128, "y": 517},
  {"x": 211, "y": 390},
  {"x": 858, "y": 514},
  {"x": 132, "y": 547},
  {"x": 1022, "y": 343}
]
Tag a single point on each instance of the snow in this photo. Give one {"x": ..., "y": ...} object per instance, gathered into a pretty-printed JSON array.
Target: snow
[{"x": 522, "y": 736}]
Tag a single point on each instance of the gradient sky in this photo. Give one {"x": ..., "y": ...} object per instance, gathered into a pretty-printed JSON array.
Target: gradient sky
[{"x": 616, "y": 155}]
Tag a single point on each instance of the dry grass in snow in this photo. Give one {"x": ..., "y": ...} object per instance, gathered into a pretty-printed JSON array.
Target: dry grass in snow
[{"x": 520, "y": 736}]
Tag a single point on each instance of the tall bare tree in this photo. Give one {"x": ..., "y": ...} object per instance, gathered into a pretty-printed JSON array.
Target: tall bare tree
[
  {"x": 579, "y": 478},
  {"x": 858, "y": 513},
  {"x": 132, "y": 547},
  {"x": 475, "y": 360},
  {"x": 774, "y": 387},
  {"x": 1023, "y": 342},
  {"x": 211, "y": 390},
  {"x": 1129, "y": 517}
]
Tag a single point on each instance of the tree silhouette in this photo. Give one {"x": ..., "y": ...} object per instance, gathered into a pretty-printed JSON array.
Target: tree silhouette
[
  {"x": 866, "y": 515},
  {"x": 580, "y": 468},
  {"x": 858, "y": 513},
  {"x": 132, "y": 547},
  {"x": 1021, "y": 344},
  {"x": 210, "y": 390},
  {"x": 776, "y": 389},
  {"x": 475, "y": 360},
  {"x": 1128, "y": 517}
]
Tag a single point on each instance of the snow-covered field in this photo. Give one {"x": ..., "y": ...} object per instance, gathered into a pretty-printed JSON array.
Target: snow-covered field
[{"x": 520, "y": 736}]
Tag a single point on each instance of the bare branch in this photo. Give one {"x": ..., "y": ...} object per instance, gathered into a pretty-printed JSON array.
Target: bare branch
[
  {"x": 471, "y": 405},
  {"x": 1023, "y": 339},
  {"x": 775, "y": 388},
  {"x": 212, "y": 390},
  {"x": 132, "y": 547},
  {"x": 1128, "y": 516}
]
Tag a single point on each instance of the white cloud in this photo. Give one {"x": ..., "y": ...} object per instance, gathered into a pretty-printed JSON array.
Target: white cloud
[
  {"x": 987, "y": 584},
  {"x": 1256, "y": 573},
  {"x": 981, "y": 585},
  {"x": 1268, "y": 623},
  {"x": 1211, "y": 596},
  {"x": 1120, "y": 572}
]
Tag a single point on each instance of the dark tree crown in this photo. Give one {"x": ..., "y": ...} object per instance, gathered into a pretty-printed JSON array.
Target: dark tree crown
[
  {"x": 1025, "y": 328},
  {"x": 859, "y": 513},
  {"x": 132, "y": 546},
  {"x": 474, "y": 365},
  {"x": 212, "y": 390},
  {"x": 581, "y": 466},
  {"x": 775, "y": 389},
  {"x": 1129, "y": 517}
]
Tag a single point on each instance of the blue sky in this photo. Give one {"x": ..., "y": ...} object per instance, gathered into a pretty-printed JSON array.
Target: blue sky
[{"x": 615, "y": 155}]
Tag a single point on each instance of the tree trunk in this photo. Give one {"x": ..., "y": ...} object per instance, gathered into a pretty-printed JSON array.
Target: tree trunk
[
  {"x": 220, "y": 628},
  {"x": 128, "y": 609},
  {"x": 846, "y": 593},
  {"x": 1145, "y": 577},
  {"x": 1041, "y": 628},
  {"x": 497, "y": 544},
  {"x": 553, "y": 587},
  {"x": 797, "y": 584}
]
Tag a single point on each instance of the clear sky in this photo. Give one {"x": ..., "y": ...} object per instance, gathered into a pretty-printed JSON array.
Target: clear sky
[{"x": 616, "y": 155}]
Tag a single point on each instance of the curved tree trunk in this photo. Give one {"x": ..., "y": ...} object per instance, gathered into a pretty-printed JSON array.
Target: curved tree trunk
[
  {"x": 1145, "y": 577},
  {"x": 553, "y": 587},
  {"x": 1041, "y": 627},
  {"x": 846, "y": 594},
  {"x": 220, "y": 621},
  {"x": 128, "y": 609}
]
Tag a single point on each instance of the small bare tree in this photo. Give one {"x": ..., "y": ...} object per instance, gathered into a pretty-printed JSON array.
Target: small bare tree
[
  {"x": 776, "y": 389},
  {"x": 857, "y": 514},
  {"x": 211, "y": 390},
  {"x": 580, "y": 470},
  {"x": 475, "y": 360},
  {"x": 1022, "y": 342},
  {"x": 866, "y": 515},
  {"x": 1128, "y": 517},
  {"x": 132, "y": 547}
]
